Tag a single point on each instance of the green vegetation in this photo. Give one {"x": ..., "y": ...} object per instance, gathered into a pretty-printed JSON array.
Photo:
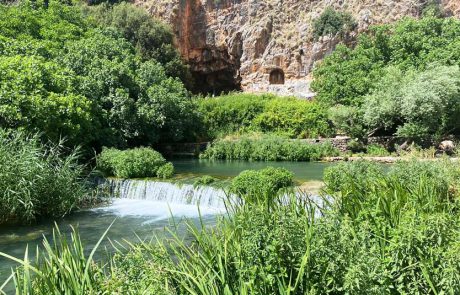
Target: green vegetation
[
  {"x": 263, "y": 113},
  {"x": 134, "y": 163},
  {"x": 37, "y": 180},
  {"x": 257, "y": 147},
  {"x": 151, "y": 38},
  {"x": 204, "y": 180},
  {"x": 379, "y": 233},
  {"x": 261, "y": 186},
  {"x": 64, "y": 74},
  {"x": 400, "y": 79},
  {"x": 331, "y": 23}
]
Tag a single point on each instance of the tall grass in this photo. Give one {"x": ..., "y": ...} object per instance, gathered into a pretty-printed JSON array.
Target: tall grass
[
  {"x": 37, "y": 180},
  {"x": 395, "y": 232},
  {"x": 260, "y": 147}
]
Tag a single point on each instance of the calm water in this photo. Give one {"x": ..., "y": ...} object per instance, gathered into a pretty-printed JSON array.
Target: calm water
[
  {"x": 303, "y": 171},
  {"x": 139, "y": 218}
]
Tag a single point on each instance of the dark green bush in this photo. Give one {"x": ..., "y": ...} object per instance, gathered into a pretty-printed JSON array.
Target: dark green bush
[
  {"x": 267, "y": 148},
  {"x": 332, "y": 22},
  {"x": 134, "y": 163},
  {"x": 261, "y": 186},
  {"x": 37, "y": 180}
]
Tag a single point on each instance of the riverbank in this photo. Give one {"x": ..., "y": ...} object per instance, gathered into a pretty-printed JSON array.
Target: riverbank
[{"x": 383, "y": 160}]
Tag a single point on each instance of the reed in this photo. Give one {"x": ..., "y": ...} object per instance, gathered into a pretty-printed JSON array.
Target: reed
[{"x": 37, "y": 180}]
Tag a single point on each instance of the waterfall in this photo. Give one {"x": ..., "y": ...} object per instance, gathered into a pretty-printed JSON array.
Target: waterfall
[
  {"x": 167, "y": 192},
  {"x": 161, "y": 199}
]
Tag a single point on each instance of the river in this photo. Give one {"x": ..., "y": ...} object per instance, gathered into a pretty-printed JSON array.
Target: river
[{"x": 144, "y": 208}]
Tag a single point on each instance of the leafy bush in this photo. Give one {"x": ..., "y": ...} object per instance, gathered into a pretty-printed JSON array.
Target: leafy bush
[
  {"x": 377, "y": 150},
  {"x": 261, "y": 186},
  {"x": 134, "y": 163},
  {"x": 166, "y": 170},
  {"x": 37, "y": 180},
  {"x": 337, "y": 177},
  {"x": 267, "y": 148},
  {"x": 231, "y": 113},
  {"x": 152, "y": 39},
  {"x": 263, "y": 113},
  {"x": 293, "y": 118},
  {"x": 144, "y": 267},
  {"x": 331, "y": 23},
  {"x": 418, "y": 105}
]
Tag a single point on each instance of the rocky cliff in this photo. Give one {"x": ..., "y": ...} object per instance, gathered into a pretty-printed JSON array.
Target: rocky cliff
[{"x": 267, "y": 45}]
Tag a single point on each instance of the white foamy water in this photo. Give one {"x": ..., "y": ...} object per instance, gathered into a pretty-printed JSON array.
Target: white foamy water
[{"x": 161, "y": 200}]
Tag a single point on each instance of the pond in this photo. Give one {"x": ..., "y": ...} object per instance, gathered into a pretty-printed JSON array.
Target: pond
[{"x": 143, "y": 208}]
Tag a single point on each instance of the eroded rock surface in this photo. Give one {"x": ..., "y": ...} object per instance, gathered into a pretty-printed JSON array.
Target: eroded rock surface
[{"x": 238, "y": 43}]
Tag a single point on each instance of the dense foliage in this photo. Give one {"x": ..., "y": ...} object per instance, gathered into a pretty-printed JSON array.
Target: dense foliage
[
  {"x": 264, "y": 113},
  {"x": 261, "y": 186},
  {"x": 151, "y": 38},
  {"x": 374, "y": 232},
  {"x": 133, "y": 163},
  {"x": 417, "y": 105},
  {"x": 399, "y": 79},
  {"x": 37, "y": 180},
  {"x": 332, "y": 22},
  {"x": 64, "y": 76},
  {"x": 256, "y": 147}
]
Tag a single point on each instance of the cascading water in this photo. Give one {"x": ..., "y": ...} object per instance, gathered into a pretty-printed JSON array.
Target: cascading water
[{"x": 162, "y": 199}]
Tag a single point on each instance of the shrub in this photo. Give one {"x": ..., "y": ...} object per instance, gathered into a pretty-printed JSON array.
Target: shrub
[
  {"x": 261, "y": 186},
  {"x": 377, "y": 150},
  {"x": 331, "y": 23},
  {"x": 144, "y": 268},
  {"x": 37, "y": 180},
  {"x": 293, "y": 118},
  {"x": 267, "y": 148},
  {"x": 152, "y": 39},
  {"x": 289, "y": 117},
  {"x": 417, "y": 105},
  {"x": 166, "y": 171},
  {"x": 339, "y": 176},
  {"x": 134, "y": 163},
  {"x": 231, "y": 113}
]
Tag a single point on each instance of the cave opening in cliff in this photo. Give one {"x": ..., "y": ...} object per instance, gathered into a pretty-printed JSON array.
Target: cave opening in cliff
[{"x": 277, "y": 76}]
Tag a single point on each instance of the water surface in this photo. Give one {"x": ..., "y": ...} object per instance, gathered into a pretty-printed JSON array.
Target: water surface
[{"x": 303, "y": 171}]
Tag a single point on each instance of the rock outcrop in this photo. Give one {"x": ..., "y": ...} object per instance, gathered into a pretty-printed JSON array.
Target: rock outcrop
[{"x": 267, "y": 45}]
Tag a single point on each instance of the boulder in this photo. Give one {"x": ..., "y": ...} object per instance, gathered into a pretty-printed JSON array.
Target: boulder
[{"x": 447, "y": 146}]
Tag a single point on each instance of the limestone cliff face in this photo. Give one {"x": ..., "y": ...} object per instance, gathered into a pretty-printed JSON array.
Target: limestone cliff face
[{"x": 266, "y": 45}]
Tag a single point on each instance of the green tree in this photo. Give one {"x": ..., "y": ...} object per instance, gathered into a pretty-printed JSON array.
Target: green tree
[
  {"x": 38, "y": 96},
  {"x": 332, "y": 22}
]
